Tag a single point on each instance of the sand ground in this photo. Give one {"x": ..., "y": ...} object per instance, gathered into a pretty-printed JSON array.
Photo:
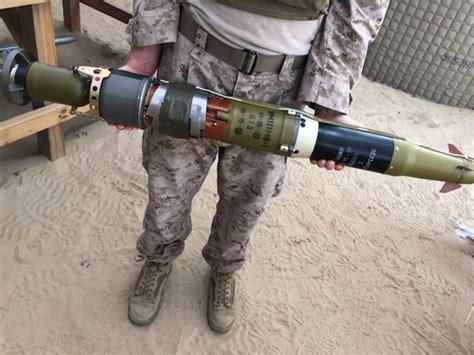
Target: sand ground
[{"x": 350, "y": 262}]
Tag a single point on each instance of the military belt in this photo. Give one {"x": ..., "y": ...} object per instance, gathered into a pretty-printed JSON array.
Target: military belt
[{"x": 245, "y": 60}]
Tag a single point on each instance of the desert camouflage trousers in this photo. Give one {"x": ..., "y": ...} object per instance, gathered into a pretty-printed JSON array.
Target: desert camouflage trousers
[{"x": 176, "y": 168}]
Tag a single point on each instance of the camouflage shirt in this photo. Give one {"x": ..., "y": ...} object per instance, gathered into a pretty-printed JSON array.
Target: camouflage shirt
[{"x": 335, "y": 60}]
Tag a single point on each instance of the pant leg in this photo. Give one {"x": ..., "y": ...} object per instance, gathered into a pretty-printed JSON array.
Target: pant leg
[
  {"x": 176, "y": 170},
  {"x": 246, "y": 182},
  {"x": 247, "y": 179}
]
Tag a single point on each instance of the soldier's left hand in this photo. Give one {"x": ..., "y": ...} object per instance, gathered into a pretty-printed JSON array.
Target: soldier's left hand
[{"x": 328, "y": 114}]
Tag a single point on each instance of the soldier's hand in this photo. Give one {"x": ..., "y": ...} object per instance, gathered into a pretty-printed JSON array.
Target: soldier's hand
[
  {"x": 122, "y": 127},
  {"x": 328, "y": 114}
]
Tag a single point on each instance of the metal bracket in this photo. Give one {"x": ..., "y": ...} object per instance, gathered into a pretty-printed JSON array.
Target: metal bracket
[{"x": 97, "y": 75}]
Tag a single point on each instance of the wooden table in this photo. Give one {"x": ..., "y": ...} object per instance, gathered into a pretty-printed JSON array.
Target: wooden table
[{"x": 35, "y": 33}]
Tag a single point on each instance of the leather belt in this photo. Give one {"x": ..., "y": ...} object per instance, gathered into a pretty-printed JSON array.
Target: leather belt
[{"x": 245, "y": 60}]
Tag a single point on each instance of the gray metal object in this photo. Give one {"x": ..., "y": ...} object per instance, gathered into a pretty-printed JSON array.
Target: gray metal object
[
  {"x": 197, "y": 113},
  {"x": 175, "y": 110},
  {"x": 58, "y": 41},
  {"x": 13, "y": 92},
  {"x": 426, "y": 48},
  {"x": 157, "y": 101},
  {"x": 122, "y": 98}
]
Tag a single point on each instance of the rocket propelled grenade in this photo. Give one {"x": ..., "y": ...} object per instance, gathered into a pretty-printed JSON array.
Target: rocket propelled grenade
[{"x": 184, "y": 111}]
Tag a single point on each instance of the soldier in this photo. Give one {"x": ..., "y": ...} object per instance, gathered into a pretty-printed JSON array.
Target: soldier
[{"x": 310, "y": 53}]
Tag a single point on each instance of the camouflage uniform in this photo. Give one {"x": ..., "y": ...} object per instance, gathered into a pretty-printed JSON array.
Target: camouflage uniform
[{"x": 246, "y": 179}]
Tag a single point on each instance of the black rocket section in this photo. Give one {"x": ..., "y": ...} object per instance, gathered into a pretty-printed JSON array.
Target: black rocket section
[{"x": 353, "y": 147}]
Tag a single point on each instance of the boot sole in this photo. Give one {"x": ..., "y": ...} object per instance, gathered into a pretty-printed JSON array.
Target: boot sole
[
  {"x": 219, "y": 330},
  {"x": 145, "y": 322}
]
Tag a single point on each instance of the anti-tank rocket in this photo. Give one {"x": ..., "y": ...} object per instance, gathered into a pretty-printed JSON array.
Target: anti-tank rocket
[{"x": 185, "y": 111}]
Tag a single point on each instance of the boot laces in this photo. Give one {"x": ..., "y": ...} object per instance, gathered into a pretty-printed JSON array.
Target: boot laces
[
  {"x": 223, "y": 289},
  {"x": 148, "y": 281}
]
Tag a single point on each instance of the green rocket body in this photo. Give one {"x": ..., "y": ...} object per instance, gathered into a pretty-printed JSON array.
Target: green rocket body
[{"x": 184, "y": 111}]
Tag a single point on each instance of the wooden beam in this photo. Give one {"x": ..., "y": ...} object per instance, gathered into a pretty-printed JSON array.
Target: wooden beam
[
  {"x": 50, "y": 141},
  {"x": 33, "y": 122},
  {"x": 11, "y": 18},
  {"x": 26, "y": 28},
  {"x": 72, "y": 15},
  {"x": 6, "y": 4},
  {"x": 44, "y": 33},
  {"x": 108, "y": 9}
]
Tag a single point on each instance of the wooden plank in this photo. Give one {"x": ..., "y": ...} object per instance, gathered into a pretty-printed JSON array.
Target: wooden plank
[
  {"x": 44, "y": 33},
  {"x": 27, "y": 29},
  {"x": 72, "y": 15},
  {"x": 11, "y": 18},
  {"x": 33, "y": 122},
  {"x": 108, "y": 9},
  {"x": 6, "y": 4},
  {"x": 51, "y": 142}
]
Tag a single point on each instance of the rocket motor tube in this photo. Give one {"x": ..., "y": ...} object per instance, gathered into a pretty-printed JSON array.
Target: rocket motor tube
[{"x": 356, "y": 148}]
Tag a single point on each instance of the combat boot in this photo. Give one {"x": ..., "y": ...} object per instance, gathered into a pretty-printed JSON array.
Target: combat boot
[
  {"x": 220, "y": 306},
  {"x": 145, "y": 303}
]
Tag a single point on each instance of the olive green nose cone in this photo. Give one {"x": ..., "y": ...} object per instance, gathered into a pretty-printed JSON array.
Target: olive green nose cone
[
  {"x": 49, "y": 83},
  {"x": 410, "y": 159}
]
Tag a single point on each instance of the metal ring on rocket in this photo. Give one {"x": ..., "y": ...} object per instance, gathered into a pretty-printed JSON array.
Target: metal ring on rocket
[
  {"x": 154, "y": 107},
  {"x": 178, "y": 109},
  {"x": 15, "y": 61},
  {"x": 173, "y": 118}
]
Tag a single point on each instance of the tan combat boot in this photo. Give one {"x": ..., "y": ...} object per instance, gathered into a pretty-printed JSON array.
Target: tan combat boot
[
  {"x": 145, "y": 303},
  {"x": 220, "y": 306}
]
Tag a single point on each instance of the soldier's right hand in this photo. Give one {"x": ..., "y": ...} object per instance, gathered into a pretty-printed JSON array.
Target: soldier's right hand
[{"x": 338, "y": 117}]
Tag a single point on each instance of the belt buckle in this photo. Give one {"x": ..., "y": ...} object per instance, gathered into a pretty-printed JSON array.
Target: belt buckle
[{"x": 250, "y": 62}]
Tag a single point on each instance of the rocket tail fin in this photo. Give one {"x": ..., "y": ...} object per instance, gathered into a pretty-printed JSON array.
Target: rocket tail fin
[
  {"x": 455, "y": 150},
  {"x": 449, "y": 186}
]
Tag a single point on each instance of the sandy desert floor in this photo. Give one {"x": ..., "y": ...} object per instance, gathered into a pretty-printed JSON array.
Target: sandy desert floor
[{"x": 350, "y": 262}]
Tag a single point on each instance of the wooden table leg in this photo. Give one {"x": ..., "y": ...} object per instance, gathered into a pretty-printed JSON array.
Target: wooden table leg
[
  {"x": 72, "y": 15},
  {"x": 11, "y": 17},
  {"x": 51, "y": 141}
]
